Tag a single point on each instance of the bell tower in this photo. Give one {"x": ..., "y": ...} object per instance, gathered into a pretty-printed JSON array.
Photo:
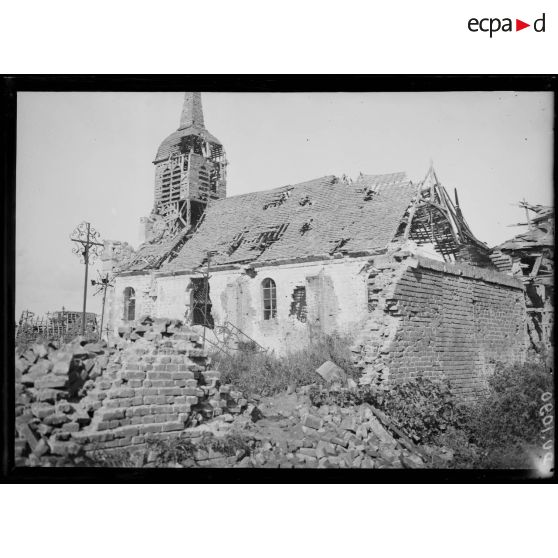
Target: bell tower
[{"x": 190, "y": 172}]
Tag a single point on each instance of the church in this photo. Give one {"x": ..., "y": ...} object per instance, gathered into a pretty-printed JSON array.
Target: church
[{"x": 386, "y": 261}]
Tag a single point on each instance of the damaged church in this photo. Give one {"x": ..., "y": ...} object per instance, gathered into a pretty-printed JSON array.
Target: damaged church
[{"x": 390, "y": 262}]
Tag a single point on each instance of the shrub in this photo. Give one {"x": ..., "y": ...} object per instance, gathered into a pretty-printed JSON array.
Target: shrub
[
  {"x": 258, "y": 373},
  {"x": 229, "y": 445},
  {"x": 510, "y": 412},
  {"x": 502, "y": 429},
  {"x": 465, "y": 454},
  {"x": 421, "y": 407},
  {"x": 266, "y": 374},
  {"x": 117, "y": 459},
  {"x": 319, "y": 396},
  {"x": 165, "y": 452}
]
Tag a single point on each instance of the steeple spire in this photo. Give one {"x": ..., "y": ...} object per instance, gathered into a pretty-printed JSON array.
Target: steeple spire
[{"x": 192, "y": 112}]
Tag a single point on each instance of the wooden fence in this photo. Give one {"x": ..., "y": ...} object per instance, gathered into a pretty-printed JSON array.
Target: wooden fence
[{"x": 58, "y": 326}]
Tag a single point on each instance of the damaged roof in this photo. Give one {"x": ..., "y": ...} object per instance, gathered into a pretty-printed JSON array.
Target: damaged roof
[
  {"x": 150, "y": 256},
  {"x": 191, "y": 124},
  {"x": 540, "y": 233},
  {"x": 171, "y": 144},
  {"x": 315, "y": 218}
]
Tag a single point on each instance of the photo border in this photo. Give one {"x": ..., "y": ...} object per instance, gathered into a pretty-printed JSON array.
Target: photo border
[{"x": 11, "y": 85}]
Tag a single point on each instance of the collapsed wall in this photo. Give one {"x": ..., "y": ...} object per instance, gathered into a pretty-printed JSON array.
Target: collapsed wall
[
  {"x": 85, "y": 397},
  {"x": 439, "y": 319}
]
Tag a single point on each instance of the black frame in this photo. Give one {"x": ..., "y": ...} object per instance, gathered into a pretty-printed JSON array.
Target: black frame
[{"x": 10, "y": 85}]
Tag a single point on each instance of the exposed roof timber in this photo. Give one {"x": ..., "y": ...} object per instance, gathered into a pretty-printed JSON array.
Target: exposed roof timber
[
  {"x": 439, "y": 220},
  {"x": 539, "y": 236}
]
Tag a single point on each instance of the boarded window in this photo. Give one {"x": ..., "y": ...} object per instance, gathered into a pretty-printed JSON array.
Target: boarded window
[
  {"x": 269, "y": 293},
  {"x": 298, "y": 304},
  {"x": 129, "y": 304},
  {"x": 201, "y": 303}
]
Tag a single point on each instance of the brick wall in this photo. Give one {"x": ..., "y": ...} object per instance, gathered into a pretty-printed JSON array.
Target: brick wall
[{"x": 455, "y": 320}]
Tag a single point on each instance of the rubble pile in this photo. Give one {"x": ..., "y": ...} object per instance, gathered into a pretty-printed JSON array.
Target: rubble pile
[
  {"x": 287, "y": 431},
  {"x": 83, "y": 397},
  {"x": 152, "y": 395},
  {"x": 49, "y": 383},
  {"x": 329, "y": 436}
]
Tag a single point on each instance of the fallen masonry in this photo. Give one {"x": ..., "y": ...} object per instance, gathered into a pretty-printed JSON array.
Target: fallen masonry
[
  {"x": 84, "y": 401},
  {"x": 85, "y": 397}
]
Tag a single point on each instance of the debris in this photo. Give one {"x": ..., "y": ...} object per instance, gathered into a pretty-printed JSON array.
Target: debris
[
  {"x": 138, "y": 388},
  {"x": 312, "y": 421},
  {"x": 163, "y": 389},
  {"x": 279, "y": 198},
  {"x": 332, "y": 373},
  {"x": 530, "y": 257},
  {"x": 306, "y": 226},
  {"x": 405, "y": 440}
]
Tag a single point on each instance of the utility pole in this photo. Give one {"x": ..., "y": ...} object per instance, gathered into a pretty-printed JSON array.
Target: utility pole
[
  {"x": 87, "y": 248},
  {"x": 102, "y": 284}
]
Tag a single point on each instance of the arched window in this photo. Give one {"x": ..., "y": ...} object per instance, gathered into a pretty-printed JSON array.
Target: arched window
[
  {"x": 269, "y": 294},
  {"x": 129, "y": 304}
]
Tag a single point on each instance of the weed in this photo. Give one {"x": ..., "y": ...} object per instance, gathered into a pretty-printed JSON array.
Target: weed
[{"x": 267, "y": 374}]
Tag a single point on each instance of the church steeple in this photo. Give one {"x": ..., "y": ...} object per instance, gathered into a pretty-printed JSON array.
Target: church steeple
[
  {"x": 190, "y": 172},
  {"x": 192, "y": 111}
]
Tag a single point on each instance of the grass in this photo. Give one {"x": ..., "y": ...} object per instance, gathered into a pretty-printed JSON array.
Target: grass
[
  {"x": 177, "y": 451},
  {"x": 266, "y": 374}
]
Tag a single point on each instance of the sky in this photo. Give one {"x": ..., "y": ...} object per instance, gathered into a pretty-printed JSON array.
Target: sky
[{"x": 88, "y": 157}]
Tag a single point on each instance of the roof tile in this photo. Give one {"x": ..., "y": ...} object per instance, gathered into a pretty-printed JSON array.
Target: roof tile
[{"x": 313, "y": 218}]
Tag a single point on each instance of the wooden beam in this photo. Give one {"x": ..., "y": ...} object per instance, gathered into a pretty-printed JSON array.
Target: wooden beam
[{"x": 535, "y": 269}]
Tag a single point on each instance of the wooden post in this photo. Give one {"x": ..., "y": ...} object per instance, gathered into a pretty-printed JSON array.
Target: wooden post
[
  {"x": 206, "y": 295},
  {"x": 527, "y": 212},
  {"x": 86, "y": 258},
  {"x": 105, "y": 287}
]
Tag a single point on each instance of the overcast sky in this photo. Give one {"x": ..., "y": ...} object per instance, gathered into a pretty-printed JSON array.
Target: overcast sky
[{"x": 88, "y": 156}]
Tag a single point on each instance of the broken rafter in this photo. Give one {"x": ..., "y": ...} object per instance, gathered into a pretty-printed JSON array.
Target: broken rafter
[
  {"x": 536, "y": 266},
  {"x": 279, "y": 198},
  {"x": 434, "y": 219},
  {"x": 411, "y": 213}
]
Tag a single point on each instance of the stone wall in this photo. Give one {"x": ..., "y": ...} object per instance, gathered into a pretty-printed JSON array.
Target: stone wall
[
  {"x": 441, "y": 319},
  {"x": 144, "y": 293},
  {"x": 336, "y": 300}
]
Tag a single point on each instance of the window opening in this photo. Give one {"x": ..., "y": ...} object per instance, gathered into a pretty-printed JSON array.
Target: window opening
[
  {"x": 129, "y": 304},
  {"x": 269, "y": 299}
]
